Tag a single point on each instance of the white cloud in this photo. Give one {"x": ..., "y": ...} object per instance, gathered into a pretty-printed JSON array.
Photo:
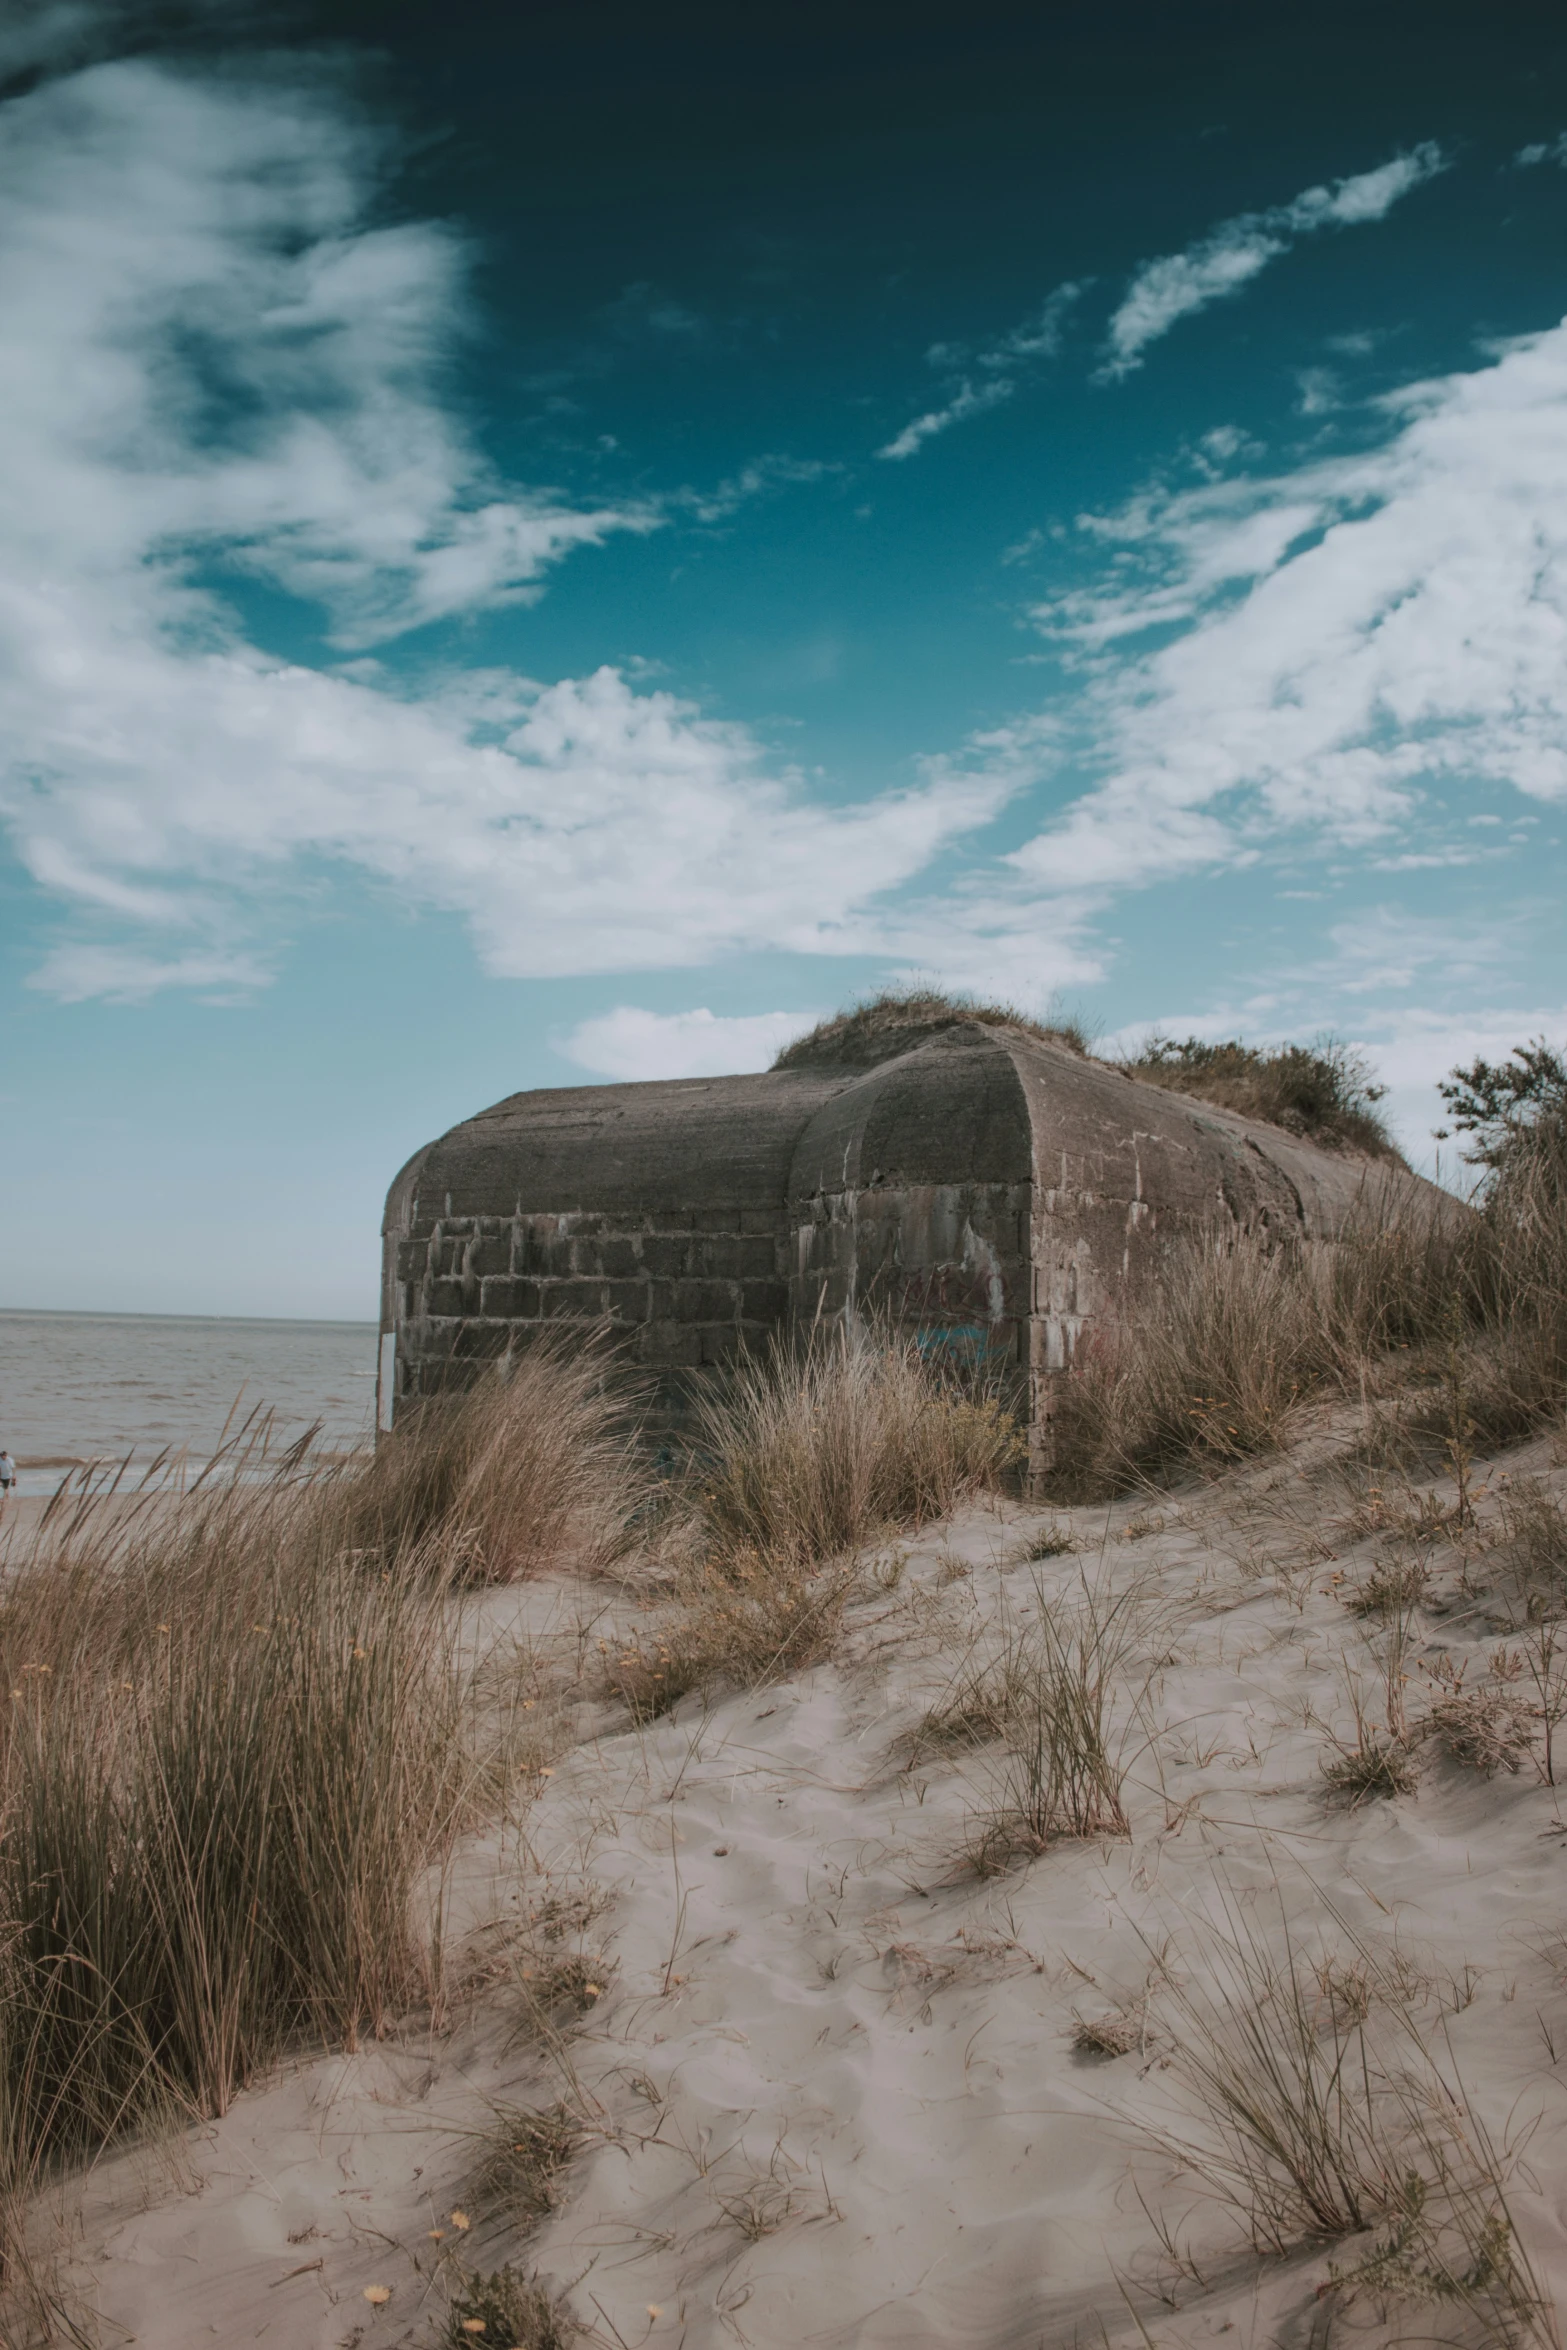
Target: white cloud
[
  {"x": 122, "y": 976},
  {"x": 213, "y": 367},
  {"x": 755, "y": 480},
  {"x": 1036, "y": 338},
  {"x": 969, "y": 400},
  {"x": 1545, "y": 151},
  {"x": 1339, "y": 640},
  {"x": 628, "y": 1043},
  {"x": 1220, "y": 264}
]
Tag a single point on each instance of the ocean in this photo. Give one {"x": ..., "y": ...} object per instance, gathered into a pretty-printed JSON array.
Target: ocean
[{"x": 96, "y": 1387}]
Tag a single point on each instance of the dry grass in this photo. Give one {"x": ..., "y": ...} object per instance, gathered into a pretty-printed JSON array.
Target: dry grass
[
  {"x": 1382, "y": 1759},
  {"x": 802, "y": 1459},
  {"x": 742, "y": 1619},
  {"x": 240, "y": 1742},
  {"x": 894, "y": 1022},
  {"x": 1115, "y": 2034},
  {"x": 1322, "y": 1092},
  {"x": 521, "y": 2161},
  {"x": 810, "y": 1452},
  {"x": 1237, "y": 1333},
  {"x": 1487, "y": 1726},
  {"x": 1518, "y": 1300},
  {"x": 1055, "y": 1698},
  {"x": 1535, "y": 1526},
  {"x": 1376, "y": 1765},
  {"x": 510, "y": 2311},
  {"x": 228, "y": 1759},
  {"x": 537, "y": 1463},
  {"x": 1052, "y": 1542},
  {"x": 1312, "y": 2117},
  {"x": 1391, "y": 1584},
  {"x": 1462, "y": 1316}
]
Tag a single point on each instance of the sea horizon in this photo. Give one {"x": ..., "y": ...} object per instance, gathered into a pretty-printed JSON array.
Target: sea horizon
[
  {"x": 79, "y": 1388},
  {"x": 115, "y": 1314}
]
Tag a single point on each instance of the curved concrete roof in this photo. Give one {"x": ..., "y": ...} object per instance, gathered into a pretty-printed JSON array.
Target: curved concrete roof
[
  {"x": 970, "y": 1103},
  {"x": 682, "y": 1142}
]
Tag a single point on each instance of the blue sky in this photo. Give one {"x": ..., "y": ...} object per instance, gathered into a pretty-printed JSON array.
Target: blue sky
[{"x": 562, "y": 549}]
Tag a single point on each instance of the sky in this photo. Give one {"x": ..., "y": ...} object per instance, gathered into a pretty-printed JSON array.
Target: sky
[{"x": 560, "y": 545}]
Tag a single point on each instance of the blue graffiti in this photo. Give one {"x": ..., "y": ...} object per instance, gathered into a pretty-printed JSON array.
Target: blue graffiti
[{"x": 969, "y": 1339}]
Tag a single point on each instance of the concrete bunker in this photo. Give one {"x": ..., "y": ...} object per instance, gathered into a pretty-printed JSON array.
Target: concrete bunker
[{"x": 990, "y": 1192}]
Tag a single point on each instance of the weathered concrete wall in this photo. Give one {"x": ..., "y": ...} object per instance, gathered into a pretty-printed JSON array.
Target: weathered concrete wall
[
  {"x": 653, "y": 1208},
  {"x": 910, "y": 1200},
  {"x": 999, "y": 1195},
  {"x": 994, "y": 1194}
]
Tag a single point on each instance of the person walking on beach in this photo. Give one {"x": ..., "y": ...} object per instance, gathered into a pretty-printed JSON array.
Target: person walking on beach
[{"x": 7, "y": 1477}]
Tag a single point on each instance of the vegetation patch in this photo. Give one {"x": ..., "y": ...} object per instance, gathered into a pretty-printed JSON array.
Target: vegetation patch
[
  {"x": 535, "y": 1464},
  {"x": 512, "y": 2311},
  {"x": 1056, "y": 1697},
  {"x": 1320, "y": 2120},
  {"x": 812, "y": 1451},
  {"x": 231, "y": 1757},
  {"x": 1392, "y": 1583},
  {"x": 523, "y": 2157},
  {"x": 888, "y": 1024},
  {"x": 1322, "y": 1092}
]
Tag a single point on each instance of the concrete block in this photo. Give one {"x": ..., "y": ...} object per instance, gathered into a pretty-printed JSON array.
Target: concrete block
[
  {"x": 481, "y": 1341},
  {"x": 509, "y": 1300},
  {"x": 716, "y": 1219},
  {"x": 706, "y": 1301},
  {"x": 667, "y": 1255},
  {"x": 670, "y": 1343},
  {"x": 571, "y": 1300}
]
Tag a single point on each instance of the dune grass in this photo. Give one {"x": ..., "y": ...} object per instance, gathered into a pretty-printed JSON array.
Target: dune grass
[
  {"x": 812, "y": 1451},
  {"x": 243, "y": 1728},
  {"x": 536, "y": 1462},
  {"x": 1462, "y": 1313},
  {"x": 803, "y": 1458},
  {"x": 897, "y": 1019},
  {"x": 229, "y": 1758},
  {"x": 511, "y": 2310},
  {"x": 1053, "y": 1701},
  {"x": 1312, "y": 2118}
]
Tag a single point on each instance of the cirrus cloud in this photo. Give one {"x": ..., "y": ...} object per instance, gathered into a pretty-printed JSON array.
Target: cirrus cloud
[
  {"x": 219, "y": 370},
  {"x": 1230, "y": 256},
  {"x": 1319, "y": 652}
]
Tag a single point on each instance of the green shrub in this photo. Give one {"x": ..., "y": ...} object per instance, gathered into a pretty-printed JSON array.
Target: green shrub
[{"x": 1323, "y": 1092}]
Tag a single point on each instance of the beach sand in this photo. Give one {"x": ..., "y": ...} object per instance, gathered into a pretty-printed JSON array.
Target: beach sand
[{"x": 826, "y": 2076}]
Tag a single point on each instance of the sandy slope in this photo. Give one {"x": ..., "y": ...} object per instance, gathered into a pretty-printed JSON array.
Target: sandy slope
[{"x": 829, "y": 2089}]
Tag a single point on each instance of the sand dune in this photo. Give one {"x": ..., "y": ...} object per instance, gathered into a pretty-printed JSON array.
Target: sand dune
[{"x": 825, "y": 2076}]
